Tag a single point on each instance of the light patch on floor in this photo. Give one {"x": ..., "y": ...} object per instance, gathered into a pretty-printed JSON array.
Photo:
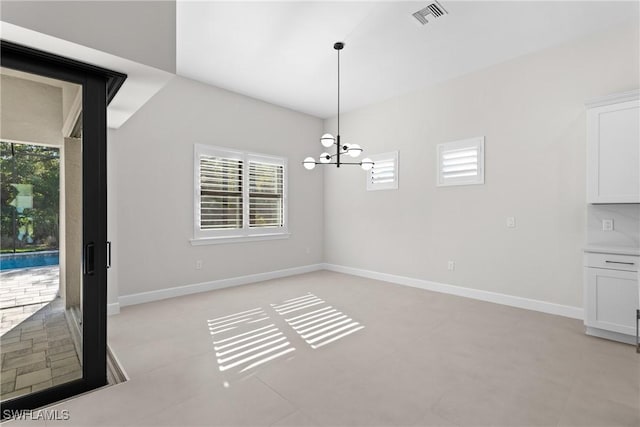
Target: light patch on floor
[
  {"x": 246, "y": 340},
  {"x": 315, "y": 321}
]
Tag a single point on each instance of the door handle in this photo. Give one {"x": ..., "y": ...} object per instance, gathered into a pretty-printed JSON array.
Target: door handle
[
  {"x": 89, "y": 259},
  {"x": 108, "y": 254}
]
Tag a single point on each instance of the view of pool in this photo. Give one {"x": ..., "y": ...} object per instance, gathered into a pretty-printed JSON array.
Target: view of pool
[{"x": 29, "y": 259}]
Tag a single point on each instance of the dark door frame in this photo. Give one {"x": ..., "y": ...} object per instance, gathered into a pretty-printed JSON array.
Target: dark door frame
[{"x": 99, "y": 86}]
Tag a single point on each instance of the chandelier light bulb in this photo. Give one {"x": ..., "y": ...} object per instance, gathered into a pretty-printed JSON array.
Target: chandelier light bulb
[
  {"x": 309, "y": 163},
  {"x": 327, "y": 140},
  {"x": 355, "y": 150},
  {"x": 325, "y": 158},
  {"x": 366, "y": 163}
]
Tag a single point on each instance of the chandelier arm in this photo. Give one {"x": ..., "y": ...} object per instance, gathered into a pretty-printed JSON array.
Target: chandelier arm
[
  {"x": 341, "y": 153},
  {"x": 341, "y": 163}
]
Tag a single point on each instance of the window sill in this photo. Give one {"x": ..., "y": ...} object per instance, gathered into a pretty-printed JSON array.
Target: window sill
[{"x": 237, "y": 239}]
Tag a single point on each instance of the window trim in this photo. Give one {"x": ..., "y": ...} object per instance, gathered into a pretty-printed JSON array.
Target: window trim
[
  {"x": 246, "y": 233},
  {"x": 393, "y": 155},
  {"x": 477, "y": 143}
]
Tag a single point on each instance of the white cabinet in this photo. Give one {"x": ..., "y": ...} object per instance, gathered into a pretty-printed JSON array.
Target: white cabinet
[
  {"x": 611, "y": 296},
  {"x": 613, "y": 149}
]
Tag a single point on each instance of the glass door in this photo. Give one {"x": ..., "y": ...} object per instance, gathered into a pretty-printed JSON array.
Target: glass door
[
  {"x": 40, "y": 280},
  {"x": 53, "y": 236}
]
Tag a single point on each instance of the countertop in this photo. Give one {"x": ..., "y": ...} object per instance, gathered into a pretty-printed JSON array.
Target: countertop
[{"x": 616, "y": 250}]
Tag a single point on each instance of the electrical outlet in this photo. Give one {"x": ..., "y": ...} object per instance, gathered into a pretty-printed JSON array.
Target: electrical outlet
[
  {"x": 607, "y": 225},
  {"x": 511, "y": 222},
  {"x": 199, "y": 264},
  {"x": 451, "y": 266}
]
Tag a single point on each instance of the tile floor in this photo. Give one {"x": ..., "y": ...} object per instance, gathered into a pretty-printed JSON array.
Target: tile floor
[
  {"x": 36, "y": 347},
  {"x": 422, "y": 358}
]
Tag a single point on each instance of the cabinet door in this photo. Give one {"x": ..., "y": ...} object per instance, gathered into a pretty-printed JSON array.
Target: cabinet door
[
  {"x": 613, "y": 153},
  {"x": 611, "y": 298}
]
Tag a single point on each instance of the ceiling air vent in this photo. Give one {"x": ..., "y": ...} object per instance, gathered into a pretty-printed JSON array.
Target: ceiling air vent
[{"x": 434, "y": 9}]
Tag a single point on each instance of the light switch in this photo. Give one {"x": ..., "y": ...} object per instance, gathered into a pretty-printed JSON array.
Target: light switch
[
  {"x": 607, "y": 225},
  {"x": 511, "y": 222}
]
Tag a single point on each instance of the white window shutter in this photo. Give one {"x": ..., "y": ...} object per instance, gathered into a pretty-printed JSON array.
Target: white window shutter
[
  {"x": 266, "y": 189},
  {"x": 461, "y": 162},
  {"x": 384, "y": 173},
  {"x": 220, "y": 193}
]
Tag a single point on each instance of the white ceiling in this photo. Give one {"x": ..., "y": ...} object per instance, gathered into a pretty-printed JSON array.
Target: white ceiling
[{"x": 282, "y": 52}]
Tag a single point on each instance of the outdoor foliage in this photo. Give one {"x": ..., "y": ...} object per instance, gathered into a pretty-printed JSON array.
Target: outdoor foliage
[{"x": 34, "y": 227}]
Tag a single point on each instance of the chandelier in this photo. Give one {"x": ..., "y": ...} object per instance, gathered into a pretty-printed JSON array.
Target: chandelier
[{"x": 327, "y": 140}]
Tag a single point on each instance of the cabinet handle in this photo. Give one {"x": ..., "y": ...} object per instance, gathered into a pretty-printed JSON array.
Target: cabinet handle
[{"x": 620, "y": 262}]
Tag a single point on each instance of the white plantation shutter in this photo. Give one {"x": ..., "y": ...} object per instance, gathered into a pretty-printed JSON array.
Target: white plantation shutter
[
  {"x": 266, "y": 188},
  {"x": 461, "y": 162},
  {"x": 238, "y": 195},
  {"x": 384, "y": 173},
  {"x": 220, "y": 193}
]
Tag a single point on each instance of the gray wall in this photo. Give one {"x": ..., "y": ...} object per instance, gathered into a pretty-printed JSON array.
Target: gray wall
[
  {"x": 112, "y": 221},
  {"x": 142, "y": 31},
  {"x": 31, "y": 111},
  {"x": 153, "y": 182},
  {"x": 531, "y": 111}
]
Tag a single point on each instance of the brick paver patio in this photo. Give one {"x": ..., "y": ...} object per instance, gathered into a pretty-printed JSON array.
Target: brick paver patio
[
  {"x": 24, "y": 291},
  {"x": 36, "y": 346}
]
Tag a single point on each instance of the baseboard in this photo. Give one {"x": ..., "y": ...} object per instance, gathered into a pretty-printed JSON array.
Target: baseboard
[
  {"x": 115, "y": 372},
  {"x": 610, "y": 335},
  {"x": 113, "y": 308},
  {"x": 494, "y": 297},
  {"x": 161, "y": 294},
  {"x": 498, "y": 298}
]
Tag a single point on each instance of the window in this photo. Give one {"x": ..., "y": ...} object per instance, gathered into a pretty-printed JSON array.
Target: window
[
  {"x": 461, "y": 162},
  {"x": 384, "y": 173},
  {"x": 238, "y": 196}
]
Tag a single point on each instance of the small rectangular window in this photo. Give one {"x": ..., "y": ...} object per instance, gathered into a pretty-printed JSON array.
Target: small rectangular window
[
  {"x": 238, "y": 195},
  {"x": 461, "y": 162},
  {"x": 384, "y": 173}
]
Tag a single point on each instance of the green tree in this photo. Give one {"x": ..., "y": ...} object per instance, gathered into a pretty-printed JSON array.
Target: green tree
[{"x": 38, "y": 166}]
